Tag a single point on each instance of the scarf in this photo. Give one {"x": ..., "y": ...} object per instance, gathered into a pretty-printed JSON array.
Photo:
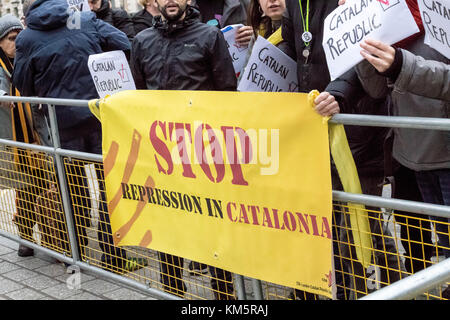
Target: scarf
[
  {"x": 414, "y": 8},
  {"x": 21, "y": 121}
]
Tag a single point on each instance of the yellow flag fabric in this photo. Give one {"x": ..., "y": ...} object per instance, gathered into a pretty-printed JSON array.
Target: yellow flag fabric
[
  {"x": 276, "y": 37},
  {"x": 239, "y": 181},
  {"x": 345, "y": 165}
]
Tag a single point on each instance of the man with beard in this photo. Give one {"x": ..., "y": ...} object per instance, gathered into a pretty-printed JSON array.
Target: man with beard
[{"x": 181, "y": 53}]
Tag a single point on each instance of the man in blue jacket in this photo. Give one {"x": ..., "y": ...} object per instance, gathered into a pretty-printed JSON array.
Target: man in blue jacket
[{"x": 52, "y": 61}]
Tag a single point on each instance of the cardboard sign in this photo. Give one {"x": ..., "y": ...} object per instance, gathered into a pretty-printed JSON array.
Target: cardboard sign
[
  {"x": 79, "y": 5},
  {"x": 269, "y": 70},
  {"x": 238, "y": 53},
  {"x": 110, "y": 72},
  {"x": 436, "y": 21},
  {"x": 348, "y": 25}
]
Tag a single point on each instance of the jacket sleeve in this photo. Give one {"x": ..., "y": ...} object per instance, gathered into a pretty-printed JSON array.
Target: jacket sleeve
[
  {"x": 416, "y": 71},
  {"x": 373, "y": 83},
  {"x": 123, "y": 22},
  {"x": 222, "y": 69},
  {"x": 135, "y": 66},
  {"x": 23, "y": 74},
  {"x": 4, "y": 83},
  {"x": 347, "y": 90},
  {"x": 287, "y": 32},
  {"x": 111, "y": 38}
]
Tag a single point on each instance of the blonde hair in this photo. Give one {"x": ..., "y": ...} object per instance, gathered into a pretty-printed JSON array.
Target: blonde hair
[{"x": 143, "y": 2}]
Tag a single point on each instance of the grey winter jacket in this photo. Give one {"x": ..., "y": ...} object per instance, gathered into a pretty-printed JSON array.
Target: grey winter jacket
[
  {"x": 416, "y": 149},
  {"x": 435, "y": 74}
]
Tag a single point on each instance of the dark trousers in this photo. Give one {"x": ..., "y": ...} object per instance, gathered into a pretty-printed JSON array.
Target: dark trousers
[
  {"x": 350, "y": 274},
  {"x": 434, "y": 186},
  {"x": 89, "y": 139},
  {"x": 171, "y": 271},
  {"x": 414, "y": 230}
]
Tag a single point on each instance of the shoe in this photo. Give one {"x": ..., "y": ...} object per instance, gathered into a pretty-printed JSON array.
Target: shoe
[
  {"x": 446, "y": 294},
  {"x": 197, "y": 269},
  {"x": 25, "y": 251},
  {"x": 128, "y": 265}
]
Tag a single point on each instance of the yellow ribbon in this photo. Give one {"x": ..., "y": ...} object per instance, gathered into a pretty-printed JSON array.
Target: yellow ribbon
[
  {"x": 276, "y": 37},
  {"x": 345, "y": 165}
]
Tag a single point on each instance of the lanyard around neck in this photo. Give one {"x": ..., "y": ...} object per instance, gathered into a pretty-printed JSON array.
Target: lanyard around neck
[{"x": 305, "y": 21}]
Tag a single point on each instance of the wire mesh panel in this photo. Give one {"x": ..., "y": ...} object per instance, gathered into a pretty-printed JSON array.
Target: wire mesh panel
[
  {"x": 175, "y": 275},
  {"x": 403, "y": 244},
  {"x": 30, "y": 201}
]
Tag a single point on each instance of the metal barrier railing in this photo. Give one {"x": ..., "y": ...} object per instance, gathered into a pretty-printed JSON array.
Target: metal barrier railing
[{"x": 80, "y": 231}]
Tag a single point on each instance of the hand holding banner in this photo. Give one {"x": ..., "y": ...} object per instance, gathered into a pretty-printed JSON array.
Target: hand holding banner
[{"x": 348, "y": 25}]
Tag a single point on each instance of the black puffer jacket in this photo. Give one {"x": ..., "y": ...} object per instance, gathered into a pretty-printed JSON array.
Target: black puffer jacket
[
  {"x": 118, "y": 18},
  {"x": 187, "y": 55},
  {"x": 142, "y": 20}
]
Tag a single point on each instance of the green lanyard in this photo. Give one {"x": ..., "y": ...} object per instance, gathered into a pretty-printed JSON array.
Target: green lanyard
[{"x": 306, "y": 36}]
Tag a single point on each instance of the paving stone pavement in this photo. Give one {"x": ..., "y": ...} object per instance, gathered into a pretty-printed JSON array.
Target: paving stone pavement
[{"x": 40, "y": 277}]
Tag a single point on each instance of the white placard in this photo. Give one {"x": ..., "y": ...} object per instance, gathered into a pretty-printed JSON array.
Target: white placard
[
  {"x": 436, "y": 21},
  {"x": 344, "y": 29},
  {"x": 238, "y": 53},
  {"x": 80, "y": 5},
  {"x": 269, "y": 70},
  {"x": 110, "y": 72}
]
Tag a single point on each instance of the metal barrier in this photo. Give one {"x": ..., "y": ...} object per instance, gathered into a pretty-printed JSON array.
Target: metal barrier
[{"x": 56, "y": 198}]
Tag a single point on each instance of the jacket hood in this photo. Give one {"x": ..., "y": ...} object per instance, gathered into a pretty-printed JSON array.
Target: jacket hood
[
  {"x": 47, "y": 14},
  {"x": 192, "y": 16},
  {"x": 103, "y": 10}
]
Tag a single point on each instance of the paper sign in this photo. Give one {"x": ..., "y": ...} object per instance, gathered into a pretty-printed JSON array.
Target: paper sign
[
  {"x": 110, "y": 72},
  {"x": 348, "y": 25},
  {"x": 79, "y": 5},
  {"x": 238, "y": 53},
  {"x": 269, "y": 70},
  {"x": 436, "y": 21}
]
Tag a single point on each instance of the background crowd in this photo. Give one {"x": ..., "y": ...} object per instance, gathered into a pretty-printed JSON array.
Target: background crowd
[{"x": 45, "y": 58}]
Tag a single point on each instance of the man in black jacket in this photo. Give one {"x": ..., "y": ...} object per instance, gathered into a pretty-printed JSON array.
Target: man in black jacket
[
  {"x": 143, "y": 19},
  {"x": 181, "y": 53},
  {"x": 118, "y": 18}
]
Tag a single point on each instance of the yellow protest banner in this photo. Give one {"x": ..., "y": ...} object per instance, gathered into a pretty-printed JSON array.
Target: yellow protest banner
[{"x": 240, "y": 181}]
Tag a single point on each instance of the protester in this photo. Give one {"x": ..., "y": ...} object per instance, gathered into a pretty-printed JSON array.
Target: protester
[
  {"x": 16, "y": 123},
  {"x": 144, "y": 19},
  {"x": 51, "y": 61},
  {"x": 264, "y": 17},
  {"x": 116, "y": 17},
  {"x": 181, "y": 53},
  {"x": 302, "y": 31},
  {"x": 409, "y": 65}
]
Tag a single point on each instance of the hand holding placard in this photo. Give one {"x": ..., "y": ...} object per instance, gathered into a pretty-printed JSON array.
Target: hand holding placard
[
  {"x": 110, "y": 72},
  {"x": 349, "y": 24}
]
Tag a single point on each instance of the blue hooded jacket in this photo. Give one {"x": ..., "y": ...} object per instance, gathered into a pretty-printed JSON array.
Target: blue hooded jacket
[{"x": 52, "y": 56}]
